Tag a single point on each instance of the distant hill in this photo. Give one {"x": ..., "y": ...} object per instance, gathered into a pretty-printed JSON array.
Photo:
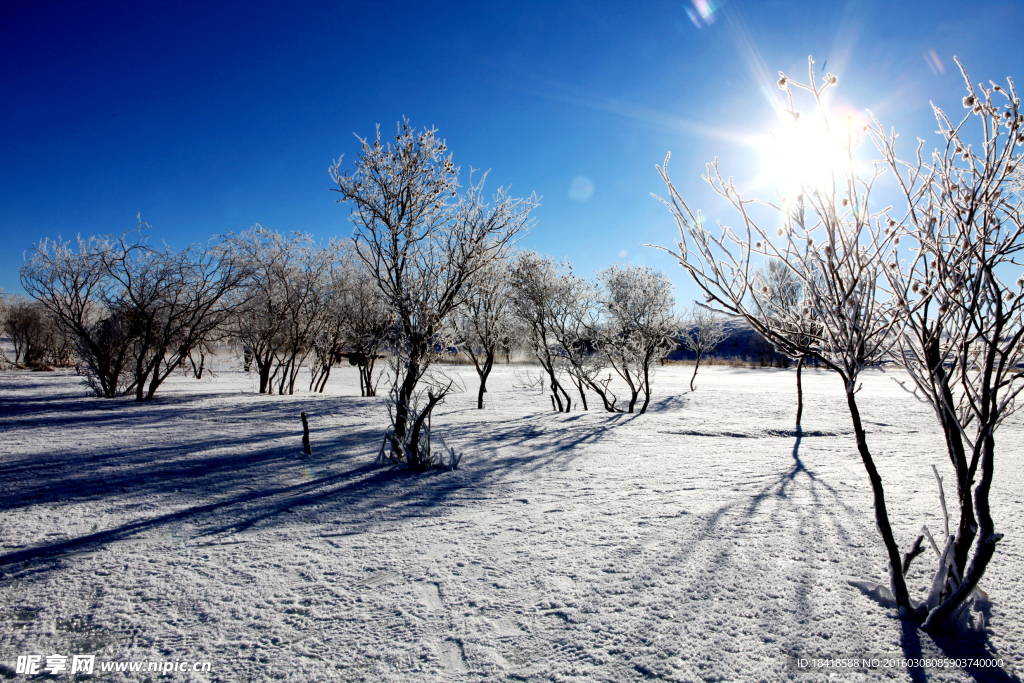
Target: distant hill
[{"x": 743, "y": 343}]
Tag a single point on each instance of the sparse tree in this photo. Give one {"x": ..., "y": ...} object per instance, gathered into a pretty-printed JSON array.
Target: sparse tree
[
  {"x": 422, "y": 243},
  {"x": 176, "y": 300},
  {"x": 26, "y": 324},
  {"x": 575, "y": 320},
  {"x": 260, "y": 317},
  {"x": 542, "y": 292},
  {"x": 486, "y": 324},
  {"x": 135, "y": 311},
  {"x": 827, "y": 229},
  {"x": 702, "y": 332},
  {"x": 776, "y": 287},
  {"x": 369, "y": 325},
  {"x": 961, "y": 292},
  {"x": 637, "y": 303},
  {"x": 203, "y": 349},
  {"x": 306, "y": 285},
  {"x": 283, "y": 302},
  {"x": 329, "y": 345},
  {"x": 74, "y": 284},
  {"x": 621, "y": 324},
  {"x": 5, "y": 307}
]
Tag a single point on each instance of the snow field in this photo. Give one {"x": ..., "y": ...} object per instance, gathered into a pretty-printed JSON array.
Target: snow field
[{"x": 701, "y": 541}]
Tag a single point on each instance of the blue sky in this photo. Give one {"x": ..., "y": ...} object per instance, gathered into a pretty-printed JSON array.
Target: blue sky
[{"x": 208, "y": 117}]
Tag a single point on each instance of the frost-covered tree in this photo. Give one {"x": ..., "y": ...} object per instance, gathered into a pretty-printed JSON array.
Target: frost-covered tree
[
  {"x": 135, "y": 311},
  {"x": 26, "y": 327},
  {"x": 703, "y": 330},
  {"x": 283, "y": 302},
  {"x": 71, "y": 280},
  {"x": 422, "y": 242},
  {"x": 639, "y": 322},
  {"x": 369, "y": 323},
  {"x": 621, "y": 323},
  {"x": 260, "y": 317},
  {"x": 5, "y": 306},
  {"x": 543, "y": 295},
  {"x": 307, "y": 288},
  {"x": 486, "y": 324},
  {"x": 832, "y": 241},
  {"x": 777, "y": 288},
  {"x": 175, "y": 301},
  {"x": 328, "y": 347},
  {"x": 960, "y": 288},
  {"x": 575, "y": 319},
  {"x": 38, "y": 337}
]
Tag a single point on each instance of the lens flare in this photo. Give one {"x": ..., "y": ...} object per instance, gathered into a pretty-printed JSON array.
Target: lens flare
[
  {"x": 935, "y": 63},
  {"x": 582, "y": 189},
  {"x": 707, "y": 9},
  {"x": 703, "y": 12}
]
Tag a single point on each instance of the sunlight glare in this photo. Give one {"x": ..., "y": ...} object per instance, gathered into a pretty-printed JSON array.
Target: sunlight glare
[{"x": 804, "y": 155}]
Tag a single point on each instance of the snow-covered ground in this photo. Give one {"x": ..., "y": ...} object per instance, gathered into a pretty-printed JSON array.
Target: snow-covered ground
[{"x": 702, "y": 541}]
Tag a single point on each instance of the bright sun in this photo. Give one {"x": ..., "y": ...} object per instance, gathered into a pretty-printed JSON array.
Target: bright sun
[{"x": 804, "y": 155}]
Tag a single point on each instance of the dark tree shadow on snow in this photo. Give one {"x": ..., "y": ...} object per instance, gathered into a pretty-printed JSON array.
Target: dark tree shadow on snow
[
  {"x": 917, "y": 644},
  {"x": 232, "y": 485}
]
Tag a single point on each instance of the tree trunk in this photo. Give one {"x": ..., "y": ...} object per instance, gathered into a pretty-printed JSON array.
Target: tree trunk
[
  {"x": 414, "y": 438},
  {"x": 324, "y": 376},
  {"x": 986, "y": 545},
  {"x": 602, "y": 393},
  {"x": 366, "y": 377},
  {"x": 103, "y": 367},
  {"x": 899, "y": 584},
  {"x": 557, "y": 391},
  {"x": 293, "y": 376},
  {"x": 320, "y": 366},
  {"x": 799, "y": 393},
  {"x": 647, "y": 385},
  {"x": 555, "y": 398},
  {"x": 197, "y": 370},
  {"x": 141, "y": 373},
  {"x": 156, "y": 379},
  {"x": 283, "y": 367},
  {"x": 305, "y": 435},
  {"x": 568, "y": 399},
  {"x": 405, "y": 393},
  {"x": 484, "y": 372},
  {"x": 967, "y": 529},
  {"x": 696, "y": 365},
  {"x": 583, "y": 396},
  {"x": 263, "y": 368},
  {"x": 987, "y": 538},
  {"x": 634, "y": 388}
]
